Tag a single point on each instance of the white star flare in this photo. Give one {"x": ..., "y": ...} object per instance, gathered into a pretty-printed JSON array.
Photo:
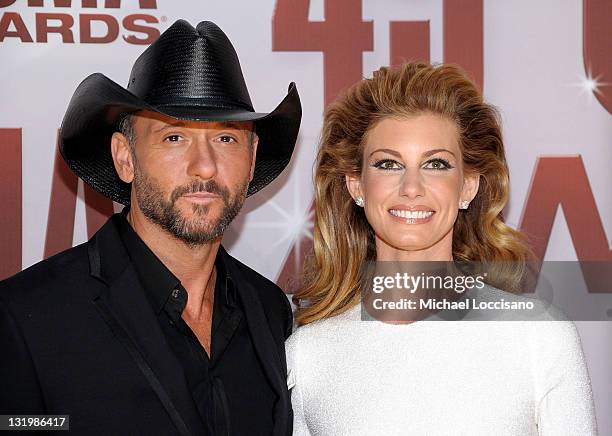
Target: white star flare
[
  {"x": 590, "y": 85},
  {"x": 293, "y": 225}
]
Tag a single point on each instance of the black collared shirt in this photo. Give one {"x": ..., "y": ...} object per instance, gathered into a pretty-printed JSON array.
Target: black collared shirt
[{"x": 229, "y": 387}]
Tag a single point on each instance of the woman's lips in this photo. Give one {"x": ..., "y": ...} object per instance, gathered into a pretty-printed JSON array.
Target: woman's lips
[{"x": 416, "y": 215}]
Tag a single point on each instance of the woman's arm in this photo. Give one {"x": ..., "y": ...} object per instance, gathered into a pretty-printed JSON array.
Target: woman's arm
[
  {"x": 294, "y": 385},
  {"x": 564, "y": 398}
]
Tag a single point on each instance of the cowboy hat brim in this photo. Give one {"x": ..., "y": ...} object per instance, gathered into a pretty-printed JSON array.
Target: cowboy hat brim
[{"x": 99, "y": 103}]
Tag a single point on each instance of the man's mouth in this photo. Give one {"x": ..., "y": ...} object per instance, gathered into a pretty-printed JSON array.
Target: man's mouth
[{"x": 200, "y": 196}]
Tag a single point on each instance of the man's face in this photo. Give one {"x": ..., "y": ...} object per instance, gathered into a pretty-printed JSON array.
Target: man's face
[{"x": 190, "y": 177}]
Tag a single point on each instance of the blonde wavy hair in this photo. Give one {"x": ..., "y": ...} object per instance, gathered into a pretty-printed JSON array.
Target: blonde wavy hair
[{"x": 343, "y": 239}]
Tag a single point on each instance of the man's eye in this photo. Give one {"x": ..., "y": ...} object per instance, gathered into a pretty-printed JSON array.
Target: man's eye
[
  {"x": 438, "y": 164},
  {"x": 173, "y": 138},
  {"x": 227, "y": 139},
  {"x": 387, "y": 164}
]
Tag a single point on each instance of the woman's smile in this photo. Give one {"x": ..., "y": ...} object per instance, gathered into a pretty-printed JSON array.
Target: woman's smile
[{"x": 411, "y": 215}]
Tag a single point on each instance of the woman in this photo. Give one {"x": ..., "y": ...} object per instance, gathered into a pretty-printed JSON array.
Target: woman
[{"x": 411, "y": 167}]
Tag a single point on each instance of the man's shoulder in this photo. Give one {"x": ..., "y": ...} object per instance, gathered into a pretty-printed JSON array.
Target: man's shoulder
[
  {"x": 56, "y": 272},
  {"x": 265, "y": 287},
  {"x": 274, "y": 301}
]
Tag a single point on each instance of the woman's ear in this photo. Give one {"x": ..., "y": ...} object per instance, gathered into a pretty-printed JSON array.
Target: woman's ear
[
  {"x": 471, "y": 182},
  {"x": 122, "y": 157},
  {"x": 353, "y": 184}
]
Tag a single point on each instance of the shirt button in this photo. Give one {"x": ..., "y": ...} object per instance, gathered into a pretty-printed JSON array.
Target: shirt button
[{"x": 175, "y": 293}]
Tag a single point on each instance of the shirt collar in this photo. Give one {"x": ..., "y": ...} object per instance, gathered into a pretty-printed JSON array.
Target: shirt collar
[{"x": 157, "y": 279}]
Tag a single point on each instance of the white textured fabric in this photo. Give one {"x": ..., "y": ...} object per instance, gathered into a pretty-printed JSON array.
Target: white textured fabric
[{"x": 353, "y": 377}]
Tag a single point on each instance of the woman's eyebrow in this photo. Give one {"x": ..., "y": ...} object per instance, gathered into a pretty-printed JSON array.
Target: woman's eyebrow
[
  {"x": 437, "y": 150},
  {"x": 425, "y": 154},
  {"x": 386, "y": 150}
]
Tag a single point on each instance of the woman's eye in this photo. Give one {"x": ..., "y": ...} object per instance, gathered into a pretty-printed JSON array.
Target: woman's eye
[
  {"x": 173, "y": 138},
  {"x": 387, "y": 164},
  {"x": 438, "y": 164}
]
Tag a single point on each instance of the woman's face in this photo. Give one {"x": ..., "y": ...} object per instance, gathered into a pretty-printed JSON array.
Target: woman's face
[{"x": 412, "y": 182}]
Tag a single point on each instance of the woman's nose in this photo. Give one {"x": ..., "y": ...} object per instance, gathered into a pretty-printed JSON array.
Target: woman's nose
[{"x": 412, "y": 184}]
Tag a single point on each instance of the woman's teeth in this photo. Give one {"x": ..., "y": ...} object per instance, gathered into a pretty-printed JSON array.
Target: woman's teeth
[{"x": 417, "y": 214}]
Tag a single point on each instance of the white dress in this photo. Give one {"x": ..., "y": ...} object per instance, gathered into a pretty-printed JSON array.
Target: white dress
[{"x": 354, "y": 377}]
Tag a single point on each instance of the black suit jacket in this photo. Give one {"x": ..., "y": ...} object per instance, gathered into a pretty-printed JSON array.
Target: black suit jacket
[{"x": 79, "y": 337}]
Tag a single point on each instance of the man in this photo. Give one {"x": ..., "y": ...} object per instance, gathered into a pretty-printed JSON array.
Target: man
[{"x": 151, "y": 327}]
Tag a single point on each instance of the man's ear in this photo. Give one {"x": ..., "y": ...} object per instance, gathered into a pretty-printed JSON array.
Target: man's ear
[
  {"x": 253, "y": 155},
  {"x": 122, "y": 157},
  {"x": 471, "y": 182},
  {"x": 353, "y": 184}
]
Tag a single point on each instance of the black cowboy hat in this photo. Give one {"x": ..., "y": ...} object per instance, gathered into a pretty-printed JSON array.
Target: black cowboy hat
[{"x": 191, "y": 74}]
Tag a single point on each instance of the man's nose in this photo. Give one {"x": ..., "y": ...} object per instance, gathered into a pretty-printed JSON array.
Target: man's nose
[
  {"x": 411, "y": 184},
  {"x": 202, "y": 160}
]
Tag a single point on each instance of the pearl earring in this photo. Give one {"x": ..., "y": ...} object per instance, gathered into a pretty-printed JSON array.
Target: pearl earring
[
  {"x": 464, "y": 204},
  {"x": 359, "y": 201}
]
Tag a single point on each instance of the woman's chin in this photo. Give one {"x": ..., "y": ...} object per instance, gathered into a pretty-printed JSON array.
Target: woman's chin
[{"x": 407, "y": 246}]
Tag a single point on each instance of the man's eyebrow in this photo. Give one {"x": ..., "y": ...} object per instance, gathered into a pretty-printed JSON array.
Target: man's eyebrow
[
  {"x": 165, "y": 126},
  {"x": 236, "y": 125},
  {"x": 233, "y": 125},
  {"x": 425, "y": 154}
]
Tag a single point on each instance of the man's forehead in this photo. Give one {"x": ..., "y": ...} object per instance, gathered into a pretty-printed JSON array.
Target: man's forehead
[{"x": 154, "y": 121}]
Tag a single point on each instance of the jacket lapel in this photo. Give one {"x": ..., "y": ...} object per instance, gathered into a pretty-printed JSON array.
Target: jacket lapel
[
  {"x": 263, "y": 342},
  {"x": 124, "y": 307}
]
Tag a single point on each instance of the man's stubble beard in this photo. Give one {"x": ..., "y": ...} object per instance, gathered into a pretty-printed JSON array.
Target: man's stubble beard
[{"x": 197, "y": 230}]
